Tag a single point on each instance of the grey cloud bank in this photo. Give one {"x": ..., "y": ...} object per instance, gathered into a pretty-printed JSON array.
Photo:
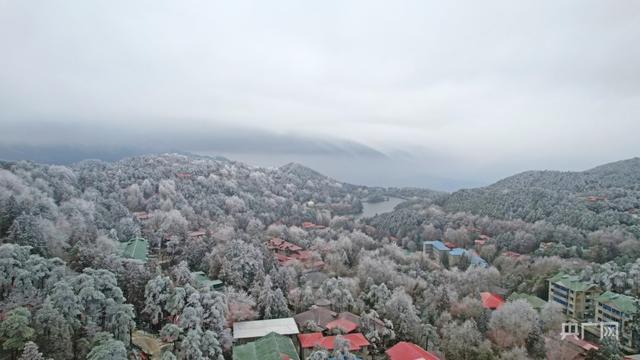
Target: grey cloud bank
[{"x": 406, "y": 93}]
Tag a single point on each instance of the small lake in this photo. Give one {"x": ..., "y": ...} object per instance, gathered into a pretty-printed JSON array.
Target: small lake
[{"x": 372, "y": 209}]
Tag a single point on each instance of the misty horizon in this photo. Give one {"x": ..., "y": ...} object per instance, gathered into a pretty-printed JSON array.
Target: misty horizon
[{"x": 432, "y": 95}]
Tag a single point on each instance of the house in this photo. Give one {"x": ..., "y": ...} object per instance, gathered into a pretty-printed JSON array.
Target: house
[
  {"x": 621, "y": 309},
  {"x": 409, "y": 351},
  {"x": 136, "y": 248},
  {"x": 455, "y": 255},
  {"x": 320, "y": 316},
  {"x": 476, "y": 260},
  {"x": 344, "y": 325},
  {"x": 245, "y": 330},
  {"x": 141, "y": 215},
  {"x": 310, "y": 226},
  {"x": 202, "y": 281},
  {"x": 576, "y": 297},
  {"x": 270, "y": 347},
  {"x": 512, "y": 254},
  {"x": 286, "y": 253},
  {"x": 569, "y": 348},
  {"x": 282, "y": 247},
  {"x": 357, "y": 342},
  {"x": 491, "y": 300},
  {"x": 325, "y": 319},
  {"x": 533, "y": 300},
  {"x": 449, "y": 244},
  {"x": 437, "y": 248},
  {"x": 198, "y": 234}
]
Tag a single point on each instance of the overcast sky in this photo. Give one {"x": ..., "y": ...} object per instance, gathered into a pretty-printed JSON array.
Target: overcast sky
[{"x": 461, "y": 87}]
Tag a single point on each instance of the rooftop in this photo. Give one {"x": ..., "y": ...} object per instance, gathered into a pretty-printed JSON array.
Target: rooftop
[
  {"x": 320, "y": 315},
  {"x": 356, "y": 341},
  {"x": 269, "y": 347},
  {"x": 533, "y": 300},
  {"x": 203, "y": 281},
  {"x": 626, "y": 304},
  {"x": 136, "y": 248},
  {"x": 491, "y": 300},
  {"x": 344, "y": 324},
  {"x": 279, "y": 244},
  {"x": 438, "y": 245},
  {"x": 409, "y": 351},
  {"x": 260, "y": 328},
  {"x": 571, "y": 282},
  {"x": 457, "y": 252}
]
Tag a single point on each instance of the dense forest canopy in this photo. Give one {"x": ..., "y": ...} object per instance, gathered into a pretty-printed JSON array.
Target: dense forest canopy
[{"x": 70, "y": 289}]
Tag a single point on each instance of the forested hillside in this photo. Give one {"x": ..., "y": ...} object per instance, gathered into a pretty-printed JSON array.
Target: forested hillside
[
  {"x": 159, "y": 256},
  {"x": 605, "y": 196}
]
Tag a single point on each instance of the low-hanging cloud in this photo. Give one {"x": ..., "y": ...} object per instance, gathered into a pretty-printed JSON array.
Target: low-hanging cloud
[{"x": 497, "y": 86}]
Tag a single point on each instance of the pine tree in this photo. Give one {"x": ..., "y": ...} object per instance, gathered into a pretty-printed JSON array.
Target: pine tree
[
  {"x": 108, "y": 349},
  {"x": 53, "y": 331},
  {"x": 190, "y": 348},
  {"x": 535, "y": 342},
  {"x": 211, "y": 346},
  {"x": 15, "y": 329},
  {"x": 31, "y": 352},
  {"x": 120, "y": 321},
  {"x": 156, "y": 295}
]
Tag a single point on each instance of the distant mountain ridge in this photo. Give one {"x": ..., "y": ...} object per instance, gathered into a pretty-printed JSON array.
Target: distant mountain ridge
[
  {"x": 622, "y": 173},
  {"x": 606, "y": 195}
]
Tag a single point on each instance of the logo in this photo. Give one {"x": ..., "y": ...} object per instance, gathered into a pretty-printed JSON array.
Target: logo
[{"x": 607, "y": 329}]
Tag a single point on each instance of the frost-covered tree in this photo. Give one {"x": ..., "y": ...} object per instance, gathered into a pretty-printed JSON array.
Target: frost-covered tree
[
  {"x": 120, "y": 321},
  {"x": 15, "y": 329},
  {"x": 242, "y": 264},
  {"x": 53, "y": 331},
  {"x": 191, "y": 346},
  {"x": 211, "y": 348},
  {"x": 31, "y": 352},
  {"x": 402, "y": 313},
  {"x": 338, "y": 292},
  {"x": 271, "y": 303},
  {"x": 157, "y": 293},
  {"x": 107, "y": 349},
  {"x": 511, "y": 324}
]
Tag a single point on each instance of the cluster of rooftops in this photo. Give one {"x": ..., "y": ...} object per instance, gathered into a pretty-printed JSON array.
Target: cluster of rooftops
[
  {"x": 281, "y": 339},
  {"x": 451, "y": 250}
]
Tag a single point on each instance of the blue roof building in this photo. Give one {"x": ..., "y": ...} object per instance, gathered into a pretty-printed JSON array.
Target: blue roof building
[
  {"x": 437, "y": 244},
  {"x": 457, "y": 252}
]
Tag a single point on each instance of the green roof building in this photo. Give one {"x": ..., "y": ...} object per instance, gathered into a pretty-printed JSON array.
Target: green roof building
[
  {"x": 577, "y": 297},
  {"x": 269, "y": 347},
  {"x": 533, "y": 300},
  {"x": 619, "y": 308},
  {"x": 203, "y": 281},
  {"x": 136, "y": 248}
]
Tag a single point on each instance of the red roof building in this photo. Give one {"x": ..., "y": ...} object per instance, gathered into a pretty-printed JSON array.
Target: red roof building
[
  {"x": 282, "y": 245},
  {"x": 449, "y": 244},
  {"x": 311, "y": 340},
  {"x": 409, "y": 351},
  {"x": 491, "y": 301},
  {"x": 512, "y": 254},
  {"x": 356, "y": 341},
  {"x": 344, "y": 324}
]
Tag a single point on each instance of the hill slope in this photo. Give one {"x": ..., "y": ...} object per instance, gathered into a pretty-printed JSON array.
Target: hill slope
[{"x": 604, "y": 196}]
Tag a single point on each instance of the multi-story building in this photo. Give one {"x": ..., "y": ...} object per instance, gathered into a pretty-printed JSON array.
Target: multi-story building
[
  {"x": 437, "y": 248},
  {"x": 577, "y": 297},
  {"x": 612, "y": 307}
]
